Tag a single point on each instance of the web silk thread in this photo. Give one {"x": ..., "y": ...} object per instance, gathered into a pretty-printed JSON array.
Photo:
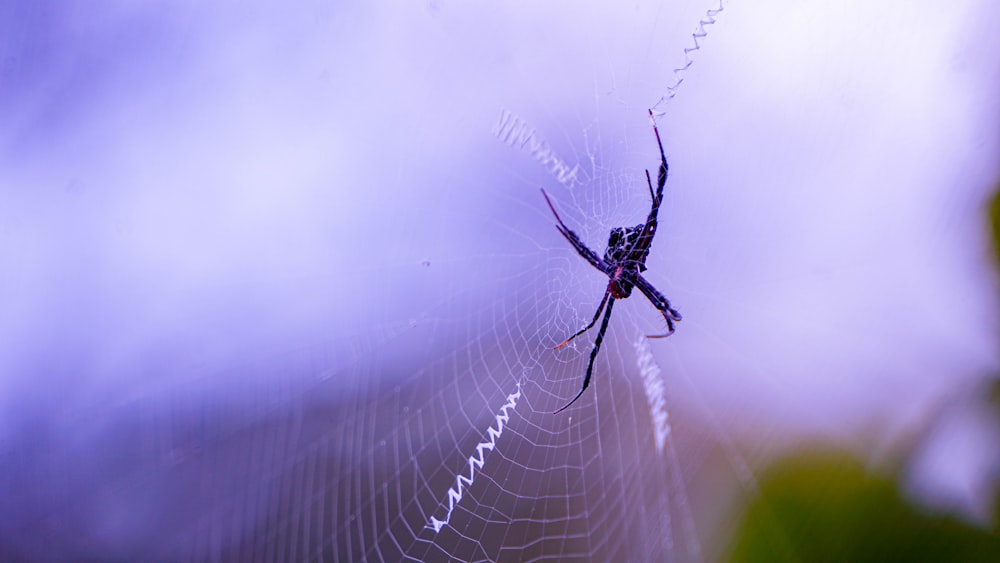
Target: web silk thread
[
  {"x": 655, "y": 387},
  {"x": 699, "y": 33},
  {"x": 515, "y": 132},
  {"x": 477, "y": 460}
]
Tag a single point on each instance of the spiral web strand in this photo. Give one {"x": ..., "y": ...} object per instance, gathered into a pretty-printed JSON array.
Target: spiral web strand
[{"x": 679, "y": 73}]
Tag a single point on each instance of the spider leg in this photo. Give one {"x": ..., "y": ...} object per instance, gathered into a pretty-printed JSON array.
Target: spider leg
[
  {"x": 591, "y": 325},
  {"x": 582, "y": 249},
  {"x": 593, "y": 354},
  {"x": 661, "y": 178},
  {"x": 661, "y": 303},
  {"x": 652, "y": 194},
  {"x": 642, "y": 243}
]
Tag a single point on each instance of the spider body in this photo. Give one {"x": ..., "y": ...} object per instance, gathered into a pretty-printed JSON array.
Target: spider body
[
  {"x": 621, "y": 244},
  {"x": 624, "y": 261}
]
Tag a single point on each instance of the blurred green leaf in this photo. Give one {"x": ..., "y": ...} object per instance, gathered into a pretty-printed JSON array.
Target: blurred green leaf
[
  {"x": 995, "y": 223},
  {"x": 994, "y": 394},
  {"x": 827, "y": 507}
]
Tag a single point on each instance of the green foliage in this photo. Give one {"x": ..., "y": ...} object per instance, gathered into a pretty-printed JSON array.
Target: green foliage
[
  {"x": 995, "y": 223},
  {"x": 827, "y": 507}
]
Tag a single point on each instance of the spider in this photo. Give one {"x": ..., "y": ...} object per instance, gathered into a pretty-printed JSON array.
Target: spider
[{"x": 623, "y": 261}]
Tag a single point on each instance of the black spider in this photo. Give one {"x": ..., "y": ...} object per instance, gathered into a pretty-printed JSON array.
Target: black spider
[{"x": 623, "y": 261}]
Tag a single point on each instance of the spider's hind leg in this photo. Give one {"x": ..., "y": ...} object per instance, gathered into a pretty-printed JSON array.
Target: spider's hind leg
[
  {"x": 649, "y": 182},
  {"x": 661, "y": 177}
]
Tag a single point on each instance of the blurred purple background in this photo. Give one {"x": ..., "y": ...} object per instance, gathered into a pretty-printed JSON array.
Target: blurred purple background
[{"x": 230, "y": 231}]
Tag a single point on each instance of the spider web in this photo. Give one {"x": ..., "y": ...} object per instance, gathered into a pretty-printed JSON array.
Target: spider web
[{"x": 323, "y": 327}]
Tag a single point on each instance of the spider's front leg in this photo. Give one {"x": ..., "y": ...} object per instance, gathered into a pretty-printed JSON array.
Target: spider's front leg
[
  {"x": 661, "y": 303},
  {"x": 597, "y": 315},
  {"x": 593, "y": 354}
]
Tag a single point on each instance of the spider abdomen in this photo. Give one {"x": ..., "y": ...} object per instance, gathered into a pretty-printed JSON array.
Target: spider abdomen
[{"x": 622, "y": 243}]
